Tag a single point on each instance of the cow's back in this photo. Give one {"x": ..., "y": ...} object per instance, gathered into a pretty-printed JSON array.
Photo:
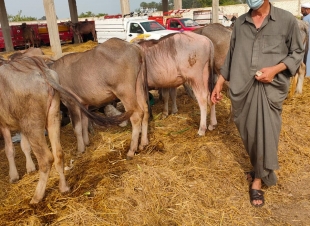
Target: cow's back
[
  {"x": 220, "y": 36},
  {"x": 93, "y": 76},
  {"x": 18, "y": 99}
]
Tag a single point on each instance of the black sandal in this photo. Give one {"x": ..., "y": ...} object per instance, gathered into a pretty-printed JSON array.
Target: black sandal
[{"x": 256, "y": 195}]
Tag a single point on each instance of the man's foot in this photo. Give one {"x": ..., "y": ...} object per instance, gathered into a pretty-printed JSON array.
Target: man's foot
[
  {"x": 256, "y": 194},
  {"x": 250, "y": 176}
]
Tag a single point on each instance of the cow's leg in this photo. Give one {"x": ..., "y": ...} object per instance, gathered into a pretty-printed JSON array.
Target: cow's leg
[
  {"x": 173, "y": 95},
  {"x": 201, "y": 96},
  {"x": 293, "y": 85},
  {"x": 26, "y": 148},
  {"x": 53, "y": 128},
  {"x": 142, "y": 100},
  {"x": 189, "y": 90},
  {"x": 136, "y": 121},
  {"x": 213, "y": 121},
  {"x": 94, "y": 35},
  {"x": 138, "y": 117},
  {"x": 85, "y": 127},
  {"x": 10, "y": 154},
  {"x": 76, "y": 120},
  {"x": 301, "y": 76},
  {"x": 45, "y": 159},
  {"x": 165, "y": 94},
  {"x": 80, "y": 38}
]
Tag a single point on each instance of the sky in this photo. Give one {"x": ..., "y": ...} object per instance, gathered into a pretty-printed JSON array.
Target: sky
[{"x": 35, "y": 8}]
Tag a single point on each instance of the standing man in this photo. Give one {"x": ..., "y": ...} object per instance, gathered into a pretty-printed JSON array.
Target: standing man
[
  {"x": 265, "y": 51},
  {"x": 305, "y": 11}
]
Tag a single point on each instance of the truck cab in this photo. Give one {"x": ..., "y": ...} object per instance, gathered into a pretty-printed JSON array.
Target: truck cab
[
  {"x": 181, "y": 24},
  {"x": 146, "y": 30},
  {"x": 130, "y": 29}
]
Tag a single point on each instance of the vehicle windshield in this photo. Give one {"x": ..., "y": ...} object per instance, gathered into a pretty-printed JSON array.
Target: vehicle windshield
[
  {"x": 189, "y": 22},
  {"x": 152, "y": 26}
]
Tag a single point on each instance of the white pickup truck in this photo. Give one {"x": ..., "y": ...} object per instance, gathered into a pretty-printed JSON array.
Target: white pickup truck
[{"x": 129, "y": 29}]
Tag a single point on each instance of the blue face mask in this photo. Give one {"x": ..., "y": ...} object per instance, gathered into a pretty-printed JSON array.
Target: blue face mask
[{"x": 254, "y": 4}]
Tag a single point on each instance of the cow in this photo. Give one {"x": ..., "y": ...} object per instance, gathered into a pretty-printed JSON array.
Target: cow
[
  {"x": 298, "y": 79},
  {"x": 178, "y": 58},
  {"x": 30, "y": 104},
  {"x": 220, "y": 37},
  {"x": 113, "y": 69},
  {"x": 28, "y": 35},
  {"x": 83, "y": 28},
  {"x": 30, "y": 52}
]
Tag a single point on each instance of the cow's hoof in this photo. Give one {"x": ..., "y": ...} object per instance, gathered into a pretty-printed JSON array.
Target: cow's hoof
[
  {"x": 211, "y": 127},
  {"x": 129, "y": 158},
  {"x": 65, "y": 190},
  {"x": 31, "y": 169},
  {"x": 14, "y": 180},
  {"x": 201, "y": 133},
  {"x": 123, "y": 124},
  {"x": 34, "y": 201}
]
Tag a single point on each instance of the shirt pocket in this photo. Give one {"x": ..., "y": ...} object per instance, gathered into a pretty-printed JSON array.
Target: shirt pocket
[{"x": 272, "y": 44}]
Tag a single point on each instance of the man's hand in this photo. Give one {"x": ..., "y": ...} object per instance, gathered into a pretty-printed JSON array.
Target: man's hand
[
  {"x": 216, "y": 95},
  {"x": 267, "y": 74}
]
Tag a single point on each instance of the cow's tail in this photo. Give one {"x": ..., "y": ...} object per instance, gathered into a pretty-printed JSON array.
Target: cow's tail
[
  {"x": 71, "y": 99},
  {"x": 211, "y": 80},
  {"x": 143, "y": 71}
]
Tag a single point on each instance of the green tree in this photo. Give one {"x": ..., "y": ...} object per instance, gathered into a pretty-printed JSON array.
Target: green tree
[
  {"x": 20, "y": 17},
  {"x": 101, "y": 14},
  {"x": 188, "y": 4},
  {"x": 208, "y": 3},
  {"x": 86, "y": 14},
  {"x": 90, "y": 14}
]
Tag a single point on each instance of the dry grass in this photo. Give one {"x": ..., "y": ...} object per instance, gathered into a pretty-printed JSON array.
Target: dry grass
[{"x": 179, "y": 179}]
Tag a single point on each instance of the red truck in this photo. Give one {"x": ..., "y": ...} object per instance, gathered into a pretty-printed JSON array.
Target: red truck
[
  {"x": 65, "y": 34},
  {"x": 176, "y": 23},
  {"x": 40, "y": 32},
  {"x": 17, "y": 36}
]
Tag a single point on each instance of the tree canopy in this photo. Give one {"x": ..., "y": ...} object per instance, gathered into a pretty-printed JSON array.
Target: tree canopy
[
  {"x": 20, "y": 17},
  {"x": 90, "y": 14}
]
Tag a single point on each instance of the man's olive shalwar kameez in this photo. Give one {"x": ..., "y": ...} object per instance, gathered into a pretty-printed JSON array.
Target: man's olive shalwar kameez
[{"x": 257, "y": 106}]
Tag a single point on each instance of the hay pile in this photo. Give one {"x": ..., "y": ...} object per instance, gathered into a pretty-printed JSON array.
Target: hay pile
[{"x": 179, "y": 179}]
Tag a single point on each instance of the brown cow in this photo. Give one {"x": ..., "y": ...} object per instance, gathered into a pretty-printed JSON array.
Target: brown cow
[
  {"x": 28, "y": 35},
  {"x": 178, "y": 58},
  {"x": 220, "y": 37},
  {"x": 30, "y": 104},
  {"x": 30, "y": 52},
  {"x": 82, "y": 28},
  {"x": 298, "y": 79},
  {"x": 113, "y": 69}
]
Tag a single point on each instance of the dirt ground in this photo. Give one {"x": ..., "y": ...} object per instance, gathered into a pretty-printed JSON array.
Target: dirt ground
[{"x": 179, "y": 179}]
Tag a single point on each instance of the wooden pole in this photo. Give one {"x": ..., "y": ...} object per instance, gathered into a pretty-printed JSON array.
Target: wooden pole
[
  {"x": 165, "y": 6},
  {"x": 215, "y": 11},
  {"x": 6, "y": 30},
  {"x": 177, "y": 4},
  {"x": 53, "y": 33},
  {"x": 74, "y": 17},
  {"x": 125, "y": 7}
]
